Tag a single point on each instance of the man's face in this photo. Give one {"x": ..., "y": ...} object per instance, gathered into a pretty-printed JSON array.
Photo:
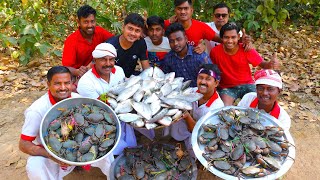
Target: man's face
[
  {"x": 155, "y": 32},
  {"x": 104, "y": 65},
  {"x": 131, "y": 32},
  {"x": 178, "y": 41},
  {"x": 230, "y": 39},
  {"x": 267, "y": 94},
  {"x": 220, "y": 17},
  {"x": 184, "y": 11},
  {"x": 60, "y": 86},
  {"x": 87, "y": 25},
  {"x": 206, "y": 84}
]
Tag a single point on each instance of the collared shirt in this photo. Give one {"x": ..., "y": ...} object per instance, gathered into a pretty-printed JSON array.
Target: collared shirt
[
  {"x": 33, "y": 117},
  {"x": 186, "y": 67},
  {"x": 92, "y": 85},
  {"x": 283, "y": 116},
  {"x": 77, "y": 51}
]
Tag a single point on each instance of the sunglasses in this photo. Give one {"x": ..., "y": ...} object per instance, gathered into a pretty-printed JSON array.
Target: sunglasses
[{"x": 220, "y": 15}]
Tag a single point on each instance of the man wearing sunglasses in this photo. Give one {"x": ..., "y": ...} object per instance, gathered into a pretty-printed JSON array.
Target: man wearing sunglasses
[{"x": 220, "y": 17}]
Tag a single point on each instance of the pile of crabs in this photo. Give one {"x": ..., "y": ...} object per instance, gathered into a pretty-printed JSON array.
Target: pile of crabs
[
  {"x": 154, "y": 161},
  {"x": 82, "y": 133},
  {"x": 242, "y": 145}
]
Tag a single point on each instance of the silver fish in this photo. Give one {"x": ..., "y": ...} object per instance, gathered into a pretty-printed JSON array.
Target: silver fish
[
  {"x": 146, "y": 73},
  {"x": 158, "y": 85},
  {"x": 148, "y": 84},
  {"x": 178, "y": 103},
  {"x": 172, "y": 112},
  {"x": 111, "y": 95},
  {"x": 165, "y": 89},
  {"x": 150, "y": 125},
  {"x": 185, "y": 85},
  {"x": 172, "y": 94},
  {"x": 138, "y": 123},
  {"x": 177, "y": 115},
  {"x": 169, "y": 77},
  {"x": 133, "y": 80},
  {"x": 155, "y": 107},
  {"x": 127, "y": 93},
  {"x": 124, "y": 107},
  {"x": 143, "y": 109},
  {"x": 177, "y": 83},
  {"x": 188, "y": 97},
  {"x": 116, "y": 89},
  {"x": 138, "y": 95},
  {"x": 129, "y": 117},
  {"x": 166, "y": 121},
  {"x": 113, "y": 103},
  {"x": 189, "y": 90},
  {"x": 149, "y": 99},
  {"x": 158, "y": 74},
  {"x": 159, "y": 115}
]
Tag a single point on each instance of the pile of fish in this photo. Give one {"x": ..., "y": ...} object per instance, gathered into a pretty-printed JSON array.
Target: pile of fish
[
  {"x": 155, "y": 161},
  {"x": 152, "y": 99},
  {"x": 241, "y": 145},
  {"x": 81, "y": 134}
]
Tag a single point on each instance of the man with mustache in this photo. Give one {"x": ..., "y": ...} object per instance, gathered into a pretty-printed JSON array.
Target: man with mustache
[
  {"x": 79, "y": 45},
  {"x": 130, "y": 46},
  {"x": 40, "y": 164},
  {"x": 269, "y": 85},
  {"x": 181, "y": 59},
  {"x": 97, "y": 81},
  {"x": 207, "y": 81}
]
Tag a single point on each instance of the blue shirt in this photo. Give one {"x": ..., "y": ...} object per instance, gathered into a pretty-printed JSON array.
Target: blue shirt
[{"x": 186, "y": 67}]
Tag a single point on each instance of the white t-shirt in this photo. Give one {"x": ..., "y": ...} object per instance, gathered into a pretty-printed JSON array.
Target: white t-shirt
[
  {"x": 157, "y": 53},
  {"x": 92, "y": 85},
  {"x": 214, "y": 28},
  {"x": 284, "y": 117},
  {"x": 33, "y": 117}
]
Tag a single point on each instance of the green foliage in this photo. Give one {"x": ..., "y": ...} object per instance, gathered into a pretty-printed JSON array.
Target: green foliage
[{"x": 38, "y": 27}]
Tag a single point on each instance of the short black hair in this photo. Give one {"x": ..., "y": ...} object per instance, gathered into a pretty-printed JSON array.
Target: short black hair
[
  {"x": 221, "y": 5},
  {"x": 57, "y": 70},
  {"x": 179, "y": 2},
  {"x": 227, "y": 27},
  {"x": 155, "y": 20},
  {"x": 174, "y": 27},
  {"x": 211, "y": 67},
  {"x": 135, "y": 19},
  {"x": 85, "y": 11}
]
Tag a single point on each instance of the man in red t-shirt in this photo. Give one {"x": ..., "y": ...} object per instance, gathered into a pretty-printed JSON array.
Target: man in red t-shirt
[
  {"x": 233, "y": 61},
  {"x": 78, "y": 47}
]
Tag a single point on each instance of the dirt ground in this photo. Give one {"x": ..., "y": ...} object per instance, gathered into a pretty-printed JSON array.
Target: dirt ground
[{"x": 306, "y": 134}]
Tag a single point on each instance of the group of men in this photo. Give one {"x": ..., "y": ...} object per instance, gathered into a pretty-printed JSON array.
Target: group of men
[{"x": 99, "y": 60}]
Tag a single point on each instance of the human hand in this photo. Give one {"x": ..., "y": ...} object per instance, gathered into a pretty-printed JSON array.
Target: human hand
[
  {"x": 247, "y": 41},
  {"x": 81, "y": 71},
  {"x": 62, "y": 164},
  {"x": 173, "y": 19},
  {"x": 201, "y": 47},
  {"x": 274, "y": 62},
  {"x": 185, "y": 115}
]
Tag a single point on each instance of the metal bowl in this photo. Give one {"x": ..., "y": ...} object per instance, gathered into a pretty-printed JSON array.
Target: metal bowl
[
  {"x": 53, "y": 113},
  {"x": 267, "y": 120}
]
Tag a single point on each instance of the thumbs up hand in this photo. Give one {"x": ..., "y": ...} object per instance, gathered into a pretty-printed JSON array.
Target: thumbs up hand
[
  {"x": 246, "y": 39},
  {"x": 274, "y": 62}
]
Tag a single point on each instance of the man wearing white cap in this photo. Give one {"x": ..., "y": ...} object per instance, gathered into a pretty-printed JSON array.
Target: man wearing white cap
[
  {"x": 103, "y": 75},
  {"x": 268, "y": 85}
]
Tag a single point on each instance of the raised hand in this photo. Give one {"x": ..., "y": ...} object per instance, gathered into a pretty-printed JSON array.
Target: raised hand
[
  {"x": 246, "y": 39},
  {"x": 274, "y": 62}
]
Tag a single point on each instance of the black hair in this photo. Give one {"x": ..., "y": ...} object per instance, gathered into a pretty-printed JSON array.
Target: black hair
[
  {"x": 179, "y": 2},
  {"x": 85, "y": 11},
  {"x": 57, "y": 70},
  {"x": 221, "y": 5},
  {"x": 227, "y": 27},
  {"x": 212, "y": 67},
  {"x": 174, "y": 27},
  {"x": 135, "y": 19},
  {"x": 155, "y": 20}
]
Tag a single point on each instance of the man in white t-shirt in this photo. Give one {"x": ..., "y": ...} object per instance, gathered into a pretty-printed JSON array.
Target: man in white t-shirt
[
  {"x": 40, "y": 164},
  {"x": 157, "y": 44},
  {"x": 207, "y": 82},
  {"x": 103, "y": 75},
  {"x": 268, "y": 85}
]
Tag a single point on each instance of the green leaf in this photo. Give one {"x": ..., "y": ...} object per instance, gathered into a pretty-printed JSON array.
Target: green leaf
[
  {"x": 283, "y": 14},
  {"x": 271, "y": 11},
  {"x": 57, "y": 53},
  {"x": 38, "y": 27},
  {"x": 12, "y": 40},
  {"x": 275, "y": 24},
  {"x": 43, "y": 48},
  {"x": 260, "y": 9},
  {"x": 29, "y": 30}
]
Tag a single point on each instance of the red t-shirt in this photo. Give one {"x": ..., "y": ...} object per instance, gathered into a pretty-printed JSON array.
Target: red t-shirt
[
  {"x": 77, "y": 51},
  {"x": 197, "y": 31},
  {"x": 235, "y": 69}
]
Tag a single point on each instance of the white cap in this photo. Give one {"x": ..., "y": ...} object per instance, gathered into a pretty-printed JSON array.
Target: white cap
[
  {"x": 104, "y": 49},
  {"x": 268, "y": 77}
]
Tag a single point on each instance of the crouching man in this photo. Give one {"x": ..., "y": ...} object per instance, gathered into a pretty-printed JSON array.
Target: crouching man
[{"x": 40, "y": 164}]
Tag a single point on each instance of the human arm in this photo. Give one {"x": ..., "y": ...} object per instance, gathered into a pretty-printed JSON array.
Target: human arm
[
  {"x": 189, "y": 120},
  {"x": 247, "y": 41},
  {"x": 143, "y": 55},
  {"x": 145, "y": 64},
  {"x": 79, "y": 72},
  {"x": 272, "y": 64},
  {"x": 201, "y": 47}
]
